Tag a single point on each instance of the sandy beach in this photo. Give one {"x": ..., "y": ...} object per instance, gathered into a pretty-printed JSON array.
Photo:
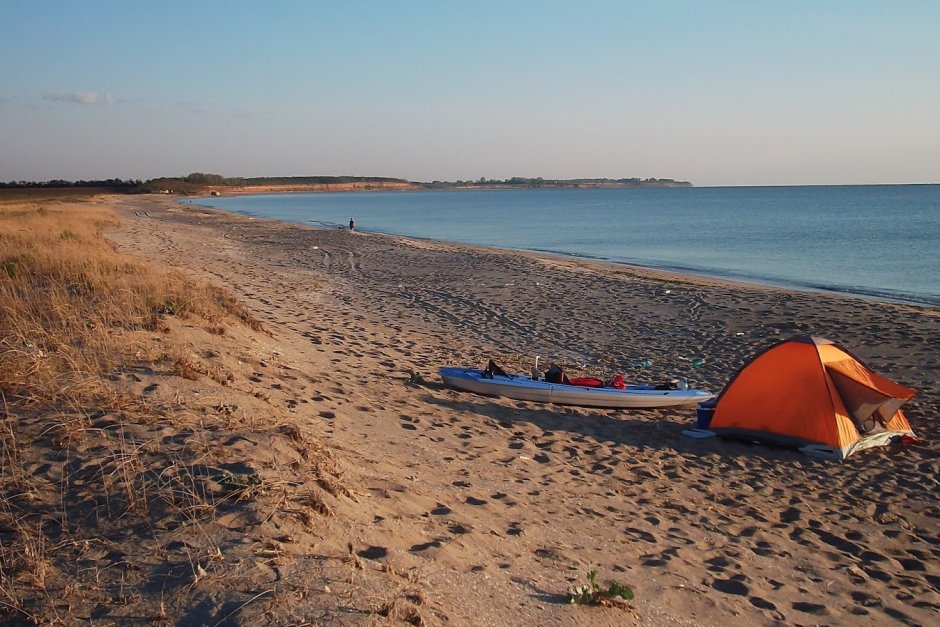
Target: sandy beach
[{"x": 450, "y": 508}]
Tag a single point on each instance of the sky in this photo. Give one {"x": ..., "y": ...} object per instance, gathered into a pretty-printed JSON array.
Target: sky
[{"x": 713, "y": 92}]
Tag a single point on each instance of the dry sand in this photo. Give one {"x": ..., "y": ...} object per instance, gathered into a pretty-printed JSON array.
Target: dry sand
[{"x": 484, "y": 510}]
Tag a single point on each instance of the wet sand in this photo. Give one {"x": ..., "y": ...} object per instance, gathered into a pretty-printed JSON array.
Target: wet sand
[{"x": 492, "y": 508}]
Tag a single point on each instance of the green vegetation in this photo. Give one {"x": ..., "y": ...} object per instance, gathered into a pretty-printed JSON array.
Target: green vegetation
[
  {"x": 415, "y": 378},
  {"x": 594, "y": 594},
  {"x": 242, "y": 486},
  {"x": 195, "y": 183},
  {"x": 114, "y": 185}
]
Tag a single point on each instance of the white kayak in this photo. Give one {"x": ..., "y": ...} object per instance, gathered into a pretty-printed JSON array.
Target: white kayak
[{"x": 524, "y": 388}]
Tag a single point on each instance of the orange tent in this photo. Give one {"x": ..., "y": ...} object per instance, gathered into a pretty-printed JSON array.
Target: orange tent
[{"x": 813, "y": 394}]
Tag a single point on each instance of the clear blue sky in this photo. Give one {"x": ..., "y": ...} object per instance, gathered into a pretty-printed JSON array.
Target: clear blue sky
[{"x": 718, "y": 93}]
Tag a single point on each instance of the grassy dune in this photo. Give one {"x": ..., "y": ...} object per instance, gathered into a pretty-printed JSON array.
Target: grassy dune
[
  {"x": 72, "y": 307},
  {"x": 104, "y": 459}
]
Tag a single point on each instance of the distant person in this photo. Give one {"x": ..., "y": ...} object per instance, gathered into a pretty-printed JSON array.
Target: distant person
[{"x": 352, "y": 225}]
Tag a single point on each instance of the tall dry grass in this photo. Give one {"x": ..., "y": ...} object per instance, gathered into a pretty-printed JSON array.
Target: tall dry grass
[
  {"x": 74, "y": 312},
  {"x": 69, "y": 302}
]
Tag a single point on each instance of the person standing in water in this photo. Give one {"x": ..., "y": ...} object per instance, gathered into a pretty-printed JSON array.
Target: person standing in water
[{"x": 352, "y": 225}]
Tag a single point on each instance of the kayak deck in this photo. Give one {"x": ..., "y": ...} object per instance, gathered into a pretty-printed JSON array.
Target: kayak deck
[{"x": 524, "y": 388}]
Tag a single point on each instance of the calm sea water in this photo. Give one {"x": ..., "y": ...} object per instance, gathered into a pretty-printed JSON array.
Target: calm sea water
[{"x": 875, "y": 241}]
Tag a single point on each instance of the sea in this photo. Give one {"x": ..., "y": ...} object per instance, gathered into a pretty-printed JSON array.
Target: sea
[{"x": 876, "y": 241}]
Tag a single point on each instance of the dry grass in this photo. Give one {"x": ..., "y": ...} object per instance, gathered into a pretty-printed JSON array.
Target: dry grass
[
  {"x": 70, "y": 304},
  {"x": 87, "y": 469}
]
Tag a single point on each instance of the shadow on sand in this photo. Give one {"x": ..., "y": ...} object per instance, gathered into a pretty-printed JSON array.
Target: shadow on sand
[{"x": 636, "y": 429}]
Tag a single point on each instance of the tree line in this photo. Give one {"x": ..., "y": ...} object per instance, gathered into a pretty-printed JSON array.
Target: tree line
[
  {"x": 55, "y": 183},
  {"x": 196, "y": 182}
]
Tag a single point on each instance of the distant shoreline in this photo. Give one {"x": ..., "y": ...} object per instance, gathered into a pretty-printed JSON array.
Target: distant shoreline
[
  {"x": 198, "y": 184},
  {"x": 56, "y": 189},
  {"x": 221, "y": 190}
]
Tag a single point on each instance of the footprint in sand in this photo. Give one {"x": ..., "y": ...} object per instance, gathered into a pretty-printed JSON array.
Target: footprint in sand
[
  {"x": 762, "y": 603},
  {"x": 718, "y": 564},
  {"x": 664, "y": 557},
  {"x": 730, "y": 586},
  {"x": 866, "y": 599},
  {"x": 640, "y": 535},
  {"x": 418, "y": 548},
  {"x": 810, "y": 608},
  {"x": 912, "y": 564},
  {"x": 373, "y": 552},
  {"x": 790, "y": 515}
]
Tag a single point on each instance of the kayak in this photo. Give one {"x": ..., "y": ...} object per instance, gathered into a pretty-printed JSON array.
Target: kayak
[{"x": 525, "y": 388}]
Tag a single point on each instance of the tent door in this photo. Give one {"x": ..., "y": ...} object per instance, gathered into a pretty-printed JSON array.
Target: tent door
[{"x": 870, "y": 409}]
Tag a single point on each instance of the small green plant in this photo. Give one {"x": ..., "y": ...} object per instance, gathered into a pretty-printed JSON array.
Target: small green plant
[
  {"x": 242, "y": 485},
  {"x": 594, "y": 594},
  {"x": 16, "y": 266},
  {"x": 415, "y": 378},
  {"x": 174, "y": 307}
]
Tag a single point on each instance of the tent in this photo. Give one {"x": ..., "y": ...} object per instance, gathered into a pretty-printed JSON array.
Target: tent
[{"x": 811, "y": 393}]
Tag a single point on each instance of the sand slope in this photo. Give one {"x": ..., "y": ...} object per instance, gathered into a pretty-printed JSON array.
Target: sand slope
[{"x": 484, "y": 511}]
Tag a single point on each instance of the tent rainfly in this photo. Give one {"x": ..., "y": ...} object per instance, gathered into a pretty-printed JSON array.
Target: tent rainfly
[{"x": 810, "y": 393}]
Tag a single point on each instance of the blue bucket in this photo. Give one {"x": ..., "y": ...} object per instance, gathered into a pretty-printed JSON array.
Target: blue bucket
[{"x": 704, "y": 413}]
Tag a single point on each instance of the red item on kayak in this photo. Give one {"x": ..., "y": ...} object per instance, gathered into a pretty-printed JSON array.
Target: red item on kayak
[{"x": 586, "y": 382}]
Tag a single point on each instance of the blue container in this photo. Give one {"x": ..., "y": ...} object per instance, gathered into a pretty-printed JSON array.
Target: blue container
[{"x": 704, "y": 413}]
